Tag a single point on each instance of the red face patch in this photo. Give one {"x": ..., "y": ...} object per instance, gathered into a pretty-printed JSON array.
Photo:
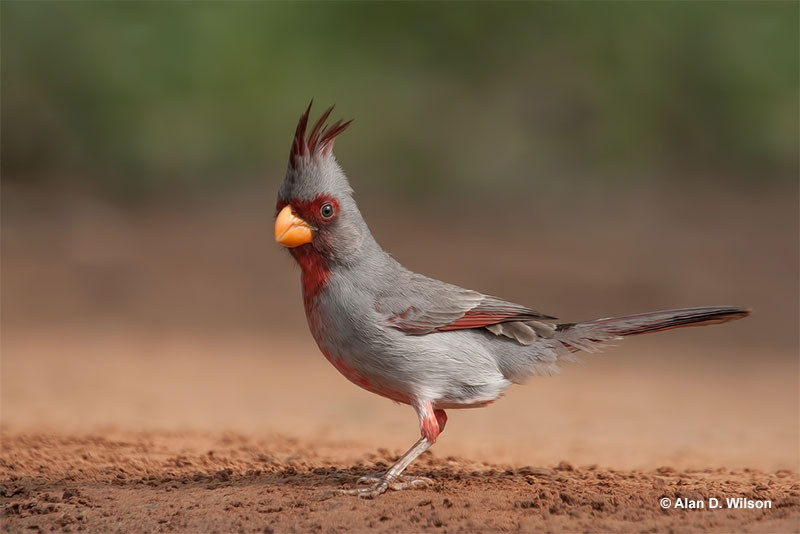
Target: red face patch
[
  {"x": 315, "y": 212},
  {"x": 319, "y": 213}
]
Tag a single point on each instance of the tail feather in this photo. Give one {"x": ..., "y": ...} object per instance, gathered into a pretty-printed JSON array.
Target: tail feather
[
  {"x": 541, "y": 356},
  {"x": 645, "y": 323}
]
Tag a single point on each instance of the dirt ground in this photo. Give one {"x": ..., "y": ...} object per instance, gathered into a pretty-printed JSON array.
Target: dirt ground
[
  {"x": 158, "y": 482},
  {"x": 157, "y": 375}
]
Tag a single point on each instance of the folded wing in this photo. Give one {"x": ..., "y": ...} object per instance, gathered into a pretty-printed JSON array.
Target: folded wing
[{"x": 423, "y": 305}]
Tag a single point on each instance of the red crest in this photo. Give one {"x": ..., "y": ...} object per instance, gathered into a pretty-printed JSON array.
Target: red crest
[{"x": 320, "y": 140}]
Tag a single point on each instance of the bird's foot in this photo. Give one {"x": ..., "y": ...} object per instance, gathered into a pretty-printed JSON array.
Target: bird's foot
[{"x": 378, "y": 485}]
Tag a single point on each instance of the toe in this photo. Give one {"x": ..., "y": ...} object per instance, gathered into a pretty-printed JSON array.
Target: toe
[{"x": 378, "y": 486}]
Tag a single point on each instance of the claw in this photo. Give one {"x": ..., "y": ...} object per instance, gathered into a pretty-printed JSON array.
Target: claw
[
  {"x": 371, "y": 492},
  {"x": 421, "y": 482},
  {"x": 379, "y": 485},
  {"x": 393, "y": 479}
]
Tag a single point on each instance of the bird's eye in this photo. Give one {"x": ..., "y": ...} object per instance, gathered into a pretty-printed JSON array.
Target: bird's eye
[{"x": 326, "y": 210}]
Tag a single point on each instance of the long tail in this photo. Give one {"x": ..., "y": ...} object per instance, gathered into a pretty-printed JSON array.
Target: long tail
[{"x": 585, "y": 336}]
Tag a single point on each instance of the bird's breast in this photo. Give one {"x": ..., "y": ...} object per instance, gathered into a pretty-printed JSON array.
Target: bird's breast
[{"x": 342, "y": 344}]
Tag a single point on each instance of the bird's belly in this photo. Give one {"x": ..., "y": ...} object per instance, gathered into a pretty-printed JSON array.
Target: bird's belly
[{"x": 359, "y": 379}]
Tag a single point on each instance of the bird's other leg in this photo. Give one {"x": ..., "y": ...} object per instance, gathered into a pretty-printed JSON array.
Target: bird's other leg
[{"x": 431, "y": 424}]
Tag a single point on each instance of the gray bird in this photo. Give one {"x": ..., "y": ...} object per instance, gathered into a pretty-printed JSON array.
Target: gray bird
[{"x": 410, "y": 338}]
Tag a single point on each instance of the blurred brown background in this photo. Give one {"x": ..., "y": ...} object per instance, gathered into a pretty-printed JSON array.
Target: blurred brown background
[{"x": 586, "y": 160}]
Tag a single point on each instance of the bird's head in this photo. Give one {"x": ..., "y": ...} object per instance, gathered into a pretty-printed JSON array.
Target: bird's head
[{"x": 316, "y": 213}]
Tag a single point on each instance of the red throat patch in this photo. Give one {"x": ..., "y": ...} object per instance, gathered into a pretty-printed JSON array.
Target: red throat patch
[{"x": 315, "y": 273}]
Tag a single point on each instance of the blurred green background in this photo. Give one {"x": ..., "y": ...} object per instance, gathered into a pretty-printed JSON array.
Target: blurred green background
[
  {"x": 133, "y": 98},
  {"x": 587, "y": 159}
]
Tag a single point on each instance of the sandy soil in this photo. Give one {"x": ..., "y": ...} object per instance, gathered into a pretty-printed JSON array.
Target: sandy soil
[
  {"x": 157, "y": 482},
  {"x": 157, "y": 375}
]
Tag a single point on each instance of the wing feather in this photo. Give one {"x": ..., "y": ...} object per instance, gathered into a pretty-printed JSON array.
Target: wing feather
[{"x": 423, "y": 305}]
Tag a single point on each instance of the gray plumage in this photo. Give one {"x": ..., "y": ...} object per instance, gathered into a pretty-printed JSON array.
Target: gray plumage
[
  {"x": 381, "y": 319},
  {"x": 409, "y": 337}
]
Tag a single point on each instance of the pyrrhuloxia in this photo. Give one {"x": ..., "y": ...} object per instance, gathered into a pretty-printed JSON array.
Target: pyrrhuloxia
[{"x": 413, "y": 339}]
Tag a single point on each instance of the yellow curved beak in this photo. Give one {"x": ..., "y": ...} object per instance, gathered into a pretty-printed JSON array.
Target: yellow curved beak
[{"x": 290, "y": 230}]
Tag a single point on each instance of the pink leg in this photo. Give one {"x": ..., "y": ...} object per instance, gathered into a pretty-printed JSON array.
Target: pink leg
[
  {"x": 441, "y": 418},
  {"x": 431, "y": 423}
]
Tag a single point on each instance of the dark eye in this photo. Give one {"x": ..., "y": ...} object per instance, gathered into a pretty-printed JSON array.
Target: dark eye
[{"x": 326, "y": 210}]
